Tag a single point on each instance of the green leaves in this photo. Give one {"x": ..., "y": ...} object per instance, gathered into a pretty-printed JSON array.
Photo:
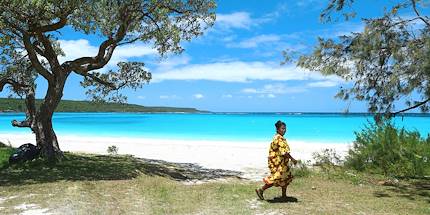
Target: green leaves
[
  {"x": 337, "y": 6},
  {"x": 106, "y": 86},
  {"x": 163, "y": 23},
  {"x": 389, "y": 150},
  {"x": 387, "y": 61}
]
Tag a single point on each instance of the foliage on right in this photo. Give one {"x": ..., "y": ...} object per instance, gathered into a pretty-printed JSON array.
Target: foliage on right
[
  {"x": 388, "y": 61},
  {"x": 383, "y": 148}
]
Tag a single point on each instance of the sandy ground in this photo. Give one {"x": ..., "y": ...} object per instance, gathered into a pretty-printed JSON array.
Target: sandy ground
[{"x": 247, "y": 157}]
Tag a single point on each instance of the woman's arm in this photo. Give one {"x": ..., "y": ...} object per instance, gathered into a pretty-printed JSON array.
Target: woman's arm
[
  {"x": 285, "y": 149},
  {"x": 288, "y": 156}
]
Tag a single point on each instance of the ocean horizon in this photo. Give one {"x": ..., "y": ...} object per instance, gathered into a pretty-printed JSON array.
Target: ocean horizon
[{"x": 225, "y": 126}]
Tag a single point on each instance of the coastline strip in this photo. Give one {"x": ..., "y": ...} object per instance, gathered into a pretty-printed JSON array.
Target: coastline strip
[{"x": 249, "y": 158}]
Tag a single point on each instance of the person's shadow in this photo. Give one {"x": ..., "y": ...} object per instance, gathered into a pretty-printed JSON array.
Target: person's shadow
[{"x": 283, "y": 200}]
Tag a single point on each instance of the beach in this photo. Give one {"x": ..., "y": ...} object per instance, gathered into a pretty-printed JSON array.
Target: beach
[
  {"x": 230, "y": 141},
  {"x": 250, "y": 158}
]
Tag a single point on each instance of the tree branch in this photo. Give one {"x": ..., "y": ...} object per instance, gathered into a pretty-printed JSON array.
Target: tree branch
[
  {"x": 414, "y": 5},
  {"x": 55, "y": 26},
  {"x": 39, "y": 51},
  {"x": 13, "y": 26},
  {"x": 173, "y": 9},
  {"x": 34, "y": 60},
  {"x": 410, "y": 108},
  {"x": 403, "y": 21},
  {"x": 85, "y": 64},
  {"x": 129, "y": 41},
  {"x": 49, "y": 52},
  {"x": 101, "y": 81},
  {"x": 16, "y": 85},
  {"x": 21, "y": 124},
  {"x": 30, "y": 101}
]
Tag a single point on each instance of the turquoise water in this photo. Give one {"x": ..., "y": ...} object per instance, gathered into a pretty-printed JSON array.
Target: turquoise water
[{"x": 338, "y": 128}]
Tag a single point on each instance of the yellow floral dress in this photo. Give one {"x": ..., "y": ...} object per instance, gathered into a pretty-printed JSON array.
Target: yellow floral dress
[{"x": 280, "y": 171}]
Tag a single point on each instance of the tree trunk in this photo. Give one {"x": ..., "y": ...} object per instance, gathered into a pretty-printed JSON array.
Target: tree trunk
[
  {"x": 46, "y": 138},
  {"x": 40, "y": 120}
]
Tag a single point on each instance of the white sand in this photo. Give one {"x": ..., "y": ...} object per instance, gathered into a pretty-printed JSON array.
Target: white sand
[{"x": 248, "y": 157}]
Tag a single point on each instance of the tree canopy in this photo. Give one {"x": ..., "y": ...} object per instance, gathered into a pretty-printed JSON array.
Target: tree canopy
[
  {"x": 30, "y": 47},
  {"x": 29, "y": 33},
  {"x": 388, "y": 61}
]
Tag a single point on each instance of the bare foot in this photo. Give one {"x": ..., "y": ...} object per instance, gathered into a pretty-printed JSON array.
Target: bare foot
[{"x": 259, "y": 193}]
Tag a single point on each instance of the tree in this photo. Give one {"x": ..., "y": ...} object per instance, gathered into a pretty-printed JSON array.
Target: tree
[
  {"x": 388, "y": 61},
  {"x": 29, "y": 48}
]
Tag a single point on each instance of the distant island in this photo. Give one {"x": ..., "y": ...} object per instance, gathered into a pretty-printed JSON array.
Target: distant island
[{"x": 18, "y": 105}]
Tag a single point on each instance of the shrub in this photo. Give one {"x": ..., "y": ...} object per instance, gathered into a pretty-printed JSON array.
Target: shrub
[
  {"x": 2, "y": 145},
  {"x": 301, "y": 169},
  {"x": 5, "y": 153},
  {"x": 391, "y": 151},
  {"x": 328, "y": 160},
  {"x": 327, "y": 157},
  {"x": 112, "y": 150}
]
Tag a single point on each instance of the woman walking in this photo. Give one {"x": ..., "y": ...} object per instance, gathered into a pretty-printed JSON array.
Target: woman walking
[{"x": 279, "y": 157}]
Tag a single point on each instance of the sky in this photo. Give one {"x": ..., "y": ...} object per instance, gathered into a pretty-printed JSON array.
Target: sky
[{"x": 235, "y": 66}]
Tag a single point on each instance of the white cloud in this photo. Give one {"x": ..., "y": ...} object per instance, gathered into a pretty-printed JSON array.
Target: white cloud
[
  {"x": 173, "y": 61},
  {"x": 278, "y": 89},
  {"x": 82, "y": 48},
  {"x": 234, "y": 20},
  {"x": 272, "y": 89},
  {"x": 243, "y": 20},
  {"x": 228, "y": 96},
  {"x": 344, "y": 29},
  {"x": 323, "y": 84},
  {"x": 312, "y": 3},
  {"x": 228, "y": 38},
  {"x": 280, "y": 9},
  {"x": 271, "y": 96},
  {"x": 141, "y": 97},
  {"x": 198, "y": 96},
  {"x": 76, "y": 48},
  {"x": 256, "y": 41},
  {"x": 239, "y": 71},
  {"x": 249, "y": 90},
  {"x": 169, "y": 97},
  {"x": 133, "y": 50}
]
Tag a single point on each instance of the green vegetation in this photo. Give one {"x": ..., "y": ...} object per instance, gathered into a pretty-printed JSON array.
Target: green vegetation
[
  {"x": 112, "y": 150},
  {"x": 18, "y": 105},
  {"x": 391, "y": 151},
  {"x": 5, "y": 152},
  {"x": 381, "y": 149},
  {"x": 301, "y": 169},
  {"x": 387, "y": 60},
  {"x": 97, "y": 184},
  {"x": 32, "y": 27}
]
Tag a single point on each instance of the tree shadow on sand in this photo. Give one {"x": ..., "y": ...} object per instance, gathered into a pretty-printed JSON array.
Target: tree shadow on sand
[
  {"x": 283, "y": 200},
  {"x": 81, "y": 167},
  {"x": 412, "y": 190}
]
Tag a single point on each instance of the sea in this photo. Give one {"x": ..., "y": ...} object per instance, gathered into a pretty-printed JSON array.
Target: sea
[{"x": 239, "y": 127}]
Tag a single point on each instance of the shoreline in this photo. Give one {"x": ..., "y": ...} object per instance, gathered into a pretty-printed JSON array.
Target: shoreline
[{"x": 249, "y": 158}]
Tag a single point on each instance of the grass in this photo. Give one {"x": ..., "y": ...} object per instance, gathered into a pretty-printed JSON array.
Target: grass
[
  {"x": 96, "y": 184},
  {"x": 5, "y": 152}
]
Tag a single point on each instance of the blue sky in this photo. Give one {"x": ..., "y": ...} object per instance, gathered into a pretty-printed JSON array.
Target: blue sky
[{"x": 235, "y": 65}]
